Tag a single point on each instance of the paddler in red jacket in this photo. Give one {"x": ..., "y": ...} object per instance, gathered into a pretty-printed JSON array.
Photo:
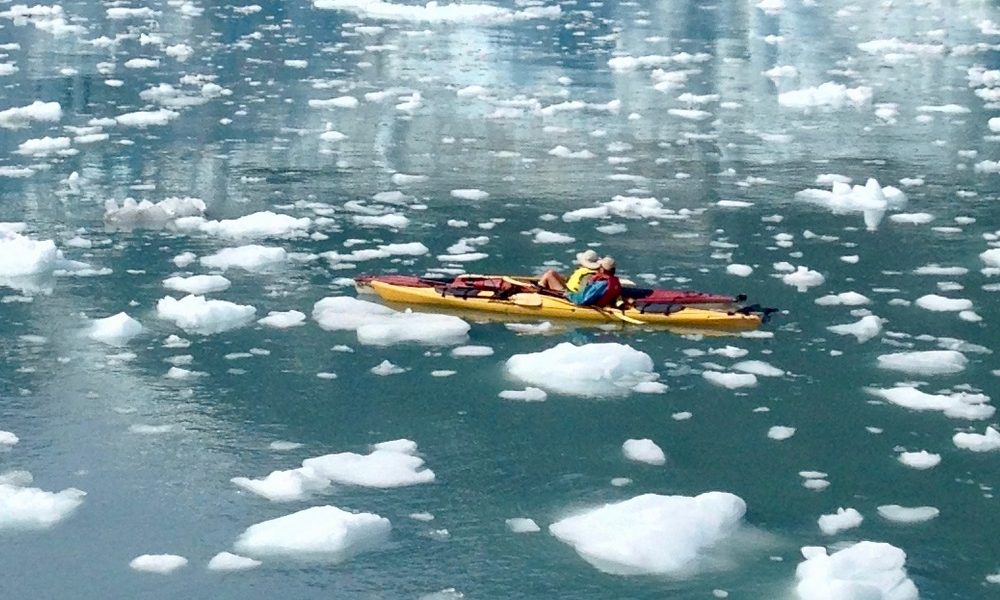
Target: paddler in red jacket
[{"x": 603, "y": 289}]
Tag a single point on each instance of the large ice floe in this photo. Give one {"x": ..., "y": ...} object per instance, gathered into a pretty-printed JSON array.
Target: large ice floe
[
  {"x": 132, "y": 214},
  {"x": 321, "y": 533},
  {"x": 195, "y": 314},
  {"x": 251, "y": 257},
  {"x": 115, "y": 330},
  {"x": 257, "y": 225},
  {"x": 587, "y": 370},
  {"x": 827, "y": 95},
  {"x": 871, "y": 199},
  {"x": 389, "y": 465},
  {"x": 957, "y": 405},
  {"x": 927, "y": 362},
  {"x": 651, "y": 533},
  {"x": 380, "y": 325},
  {"x": 25, "y": 507},
  {"x": 988, "y": 441},
  {"x": 864, "y": 571},
  {"x": 435, "y": 13}
]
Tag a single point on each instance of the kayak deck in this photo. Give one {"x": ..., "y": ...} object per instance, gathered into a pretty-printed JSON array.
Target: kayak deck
[{"x": 541, "y": 306}]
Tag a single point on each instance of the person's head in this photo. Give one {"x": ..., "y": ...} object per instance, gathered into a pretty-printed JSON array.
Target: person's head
[
  {"x": 606, "y": 264},
  {"x": 588, "y": 258}
]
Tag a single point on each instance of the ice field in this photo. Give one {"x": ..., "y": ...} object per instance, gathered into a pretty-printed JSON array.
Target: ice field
[{"x": 194, "y": 403}]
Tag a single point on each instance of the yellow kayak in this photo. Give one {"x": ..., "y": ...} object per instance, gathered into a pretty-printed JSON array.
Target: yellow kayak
[{"x": 544, "y": 306}]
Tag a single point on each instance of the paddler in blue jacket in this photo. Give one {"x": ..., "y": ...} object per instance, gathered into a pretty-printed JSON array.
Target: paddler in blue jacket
[{"x": 588, "y": 262}]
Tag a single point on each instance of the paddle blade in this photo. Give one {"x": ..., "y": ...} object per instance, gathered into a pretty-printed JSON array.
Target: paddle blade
[{"x": 530, "y": 300}]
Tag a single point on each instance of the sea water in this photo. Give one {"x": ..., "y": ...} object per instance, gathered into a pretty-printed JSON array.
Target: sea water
[{"x": 678, "y": 137}]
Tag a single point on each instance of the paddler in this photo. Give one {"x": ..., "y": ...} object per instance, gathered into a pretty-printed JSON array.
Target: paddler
[
  {"x": 588, "y": 263},
  {"x": 603, "y": 288}
]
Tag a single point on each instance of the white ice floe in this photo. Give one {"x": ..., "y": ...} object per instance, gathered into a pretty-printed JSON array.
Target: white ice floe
[
  {"x": 652, "y": 534},
  {"x": 318, "y": 532},
  {"x": 522, "y": 525},
  {"x": 863, "y": 329},
  {"x": 991, "y": 257},
  {"x": 262, "y": 224},
  {"x": 803, "y": 278},
  {"x": 978, "y": 442},
  {"x": 197, "y": 284},
  {"x": 21, "y": 256},
  {"x": 927, "y": 362},
  {"x": 864, "y": 571},
  {"x": 158, "y": 563},
  {"x": 730, "y": 380},
  {"x": 920, "y": 218},
  {"x": 376, "y": 324},
  {"x": 149, "y": 214},
  {"x": 195, "y": 314},
  {"x": 921, "y": 460},
  {"x": 528, "y": 394},
  {"x": 739, "y": 270},
  {"x": 7, "y": 438},
  {"x": 283, "y": 320},
  {"x": 844, "y": 518},
  {"x": 644, "y": 451},
  {"x": 650, "y": 387},
  {"x": 147, "y": 118},
  {"x": 904, "y": 514},
  {"x": 843, "y": 299},
  {"x": 471, "y": 351},
  {"x": 936, "y": 303},
  {"x": 871, "y": 199},
  {"x": 43, "y": 146},
  {"x": 957, "y": 405},
  {"x": 469, "y": 194},
  {"x": 388, "y": 465},
  {"x": 251, "y": 257},
  {"x": 227, "y": 561},
  {"x": 758, "y": 367},
  {"x": 780, "y": 432},
  {"x": 552, "y": 237},
  {"x": 284, "y": 486},
  {"x": 37, "y": 111},
  {"x": 827, "y": 95},
  {"x": 386, "y": 368},
  {"x": 115, "y": 330},
  {"x": 23, "y": 507},
  {"x": 587, "y": 370}
]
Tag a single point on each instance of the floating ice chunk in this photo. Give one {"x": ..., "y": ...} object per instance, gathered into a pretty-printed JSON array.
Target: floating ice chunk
[
  {"x": 472, "y": 351},
  {"x": 649, "y": 387},
  {"x": 564, "y": 152},
  {"x": 730, "y": 380},
  {"x": 864, "y": 329},
  {"x": 864, "y": 571},
  {"x": 730, "y": 351},
  {"x": 115, "y": 330},
  {"x": 692, "y": 114},
  {"x": 843, "y": 519},
  {"x": 903, "y": 514},
  {"x": 391, "y": 220},
  {"x": 958, "y": 405},
  {"x": 522, "y": 525},
  {"x": 282, "y": 446},
  {"x": 339, "y": 102},
  {"x": 23, "y": 507},
  {"x": 285, "y": 486},
  {"x": 195, "y": 314},
  {"x": 317, "y": 532},
  {"x": 938, "y": 270},
  {"x": 147, "y": 118},
  {"x": 928, "y": 362},
  {"x": 197, "y": 284},
  {"x": 920, "y": 218},
  {"x": 587, "y": 370},
  {"x": 803, "y": 278},
  {"x": 528, "y": 394},
  {"x": 644, "y": 451},
  {"x": 43, "y": 146},
  {"x": 551, "y": 237},
  {"x": 283, "y": 320},
  {"x": 22, "y": 256},
  {"x": 7, "y": 438},
  {"x": 227, "y": 561},
  {"x": 433, "y": 12},
  {"x": 386, "y": 368},
  {"x": 121, "y": 12},
  {"x": 991, "y": 257},
  {"x": 344, "y": 313},
  {"x": 936, "y": 303},
  {"x": 37, "y": 111},
  {"x": 469, "y": 194},
  {"x": 257, "y": 225},
  {"x": 780, "y": 432},
  {"x": 251, "y": 257},
  {"x": 827, "y": 95},
  {"x": 921, "y": 460},
  {"x": 148, "y": 214},
  {"x": 389, "y": 465},
  {"x": 739, "y": 270},
  {"x": 652, "y": 534},
  {"x": 758, "y": 367},
  {"x": 976, "y": 442},
  {"x": 843, "y": 299}
]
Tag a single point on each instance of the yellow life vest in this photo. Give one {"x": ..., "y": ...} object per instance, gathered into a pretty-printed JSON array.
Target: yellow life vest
[{"x": 579, "y": 278}]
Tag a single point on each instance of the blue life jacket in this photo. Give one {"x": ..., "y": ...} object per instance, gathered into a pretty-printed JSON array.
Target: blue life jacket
[{"x": 589, "y": 295}]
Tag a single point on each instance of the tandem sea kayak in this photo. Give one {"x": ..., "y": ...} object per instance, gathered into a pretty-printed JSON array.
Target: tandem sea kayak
[{"x": 515, "y": 297}]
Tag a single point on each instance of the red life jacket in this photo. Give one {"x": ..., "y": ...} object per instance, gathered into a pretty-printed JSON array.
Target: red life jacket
[{"x": 614, "y": 288}]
